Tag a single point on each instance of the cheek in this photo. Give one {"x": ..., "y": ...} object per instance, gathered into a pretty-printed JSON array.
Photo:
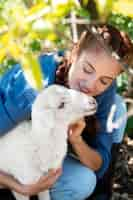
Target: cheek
[
  {"x": 74, "y": 74},
  {"x": 99, "y": 88}
]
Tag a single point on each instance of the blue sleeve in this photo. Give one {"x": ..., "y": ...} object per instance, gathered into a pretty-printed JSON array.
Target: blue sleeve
[
  {"x": 103, "y": 140},
  {"x": 17, "y": 96},
  {"x": 49, "y": 63}
]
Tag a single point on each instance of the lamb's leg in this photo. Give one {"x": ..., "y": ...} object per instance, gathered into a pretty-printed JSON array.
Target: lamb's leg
[
  {"x": 20, "y": 196},
  {"x": 44, "y": 195}
]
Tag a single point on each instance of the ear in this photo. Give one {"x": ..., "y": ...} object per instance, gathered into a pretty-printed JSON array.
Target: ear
[{"x": 45, "y": 93}]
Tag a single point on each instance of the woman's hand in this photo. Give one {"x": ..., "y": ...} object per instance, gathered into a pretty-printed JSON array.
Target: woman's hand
[
  {"x": 44, "y": 183},
  {"x": 75, "y": 130}
]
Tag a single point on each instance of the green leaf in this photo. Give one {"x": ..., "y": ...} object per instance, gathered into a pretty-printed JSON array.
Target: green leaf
[
  {"x": 129, "y": 127},
  {"x": 82, "y": 12},
  {"x": 35, "y": 45}
]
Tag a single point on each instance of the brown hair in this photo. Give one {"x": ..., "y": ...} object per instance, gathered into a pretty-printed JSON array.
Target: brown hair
[{"x": 116, "y": 42}]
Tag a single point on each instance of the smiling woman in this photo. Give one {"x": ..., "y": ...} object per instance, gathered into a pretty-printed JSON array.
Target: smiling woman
[
  {"x": 101, "y": 54},
  {"x": 109, "y": 52}
]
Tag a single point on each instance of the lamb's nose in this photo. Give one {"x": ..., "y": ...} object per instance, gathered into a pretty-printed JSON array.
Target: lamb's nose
[{"x": 92, "y": 102}]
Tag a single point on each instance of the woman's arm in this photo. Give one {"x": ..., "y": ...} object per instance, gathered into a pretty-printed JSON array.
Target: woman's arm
[
  {"x": 43, "y": 183},
  {"x": 86, "y": 154}
]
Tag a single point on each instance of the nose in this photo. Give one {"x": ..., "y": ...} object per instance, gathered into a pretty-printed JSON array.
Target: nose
[
  {"x": 92, "y": 102},
  {"x": 91, "y": 81},
  {"x": 88, "y": 84}
]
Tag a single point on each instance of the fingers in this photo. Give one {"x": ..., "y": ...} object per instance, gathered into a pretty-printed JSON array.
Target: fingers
[
  {"x": 44, "y": 183},
  {"x": 53, "y": 177},
  {"x": 81, "y": 123},
  {"x": 50, "y": 179},
  {"x": 75, "y": 131},
  {"x": 77, "y": 127},
  {"x": 51, "y": 173}
]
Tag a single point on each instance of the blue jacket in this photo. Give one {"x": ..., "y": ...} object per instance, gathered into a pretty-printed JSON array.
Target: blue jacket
[{"x": 17, "y": 96}]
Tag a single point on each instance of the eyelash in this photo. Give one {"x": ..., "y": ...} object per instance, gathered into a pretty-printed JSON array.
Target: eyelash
[
  {"x": 87, "y": 71},
  {"x": 104, "y": 83}
]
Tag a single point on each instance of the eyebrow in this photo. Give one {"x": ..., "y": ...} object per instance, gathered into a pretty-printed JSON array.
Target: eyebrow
[{"x": 109, "y": 77}]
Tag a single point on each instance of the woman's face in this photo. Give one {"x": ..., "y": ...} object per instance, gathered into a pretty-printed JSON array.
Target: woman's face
[{"x": 93, "y": 71}]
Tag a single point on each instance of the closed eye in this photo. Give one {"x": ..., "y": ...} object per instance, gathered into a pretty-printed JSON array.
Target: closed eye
[
  {"x": 86, "y": 70},
  {"x": 106, "y": 81}
]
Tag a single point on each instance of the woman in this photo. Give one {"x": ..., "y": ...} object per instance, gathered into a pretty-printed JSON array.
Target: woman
[{"x": 100, "y": 56}]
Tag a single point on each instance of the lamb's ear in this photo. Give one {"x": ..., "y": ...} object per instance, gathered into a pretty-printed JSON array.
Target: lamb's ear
[
  {"x": 45, "y": 94},
  {"x": 42, "y": 99},
  {"x": 39, "y": 102},
  {"x": 54, "y": 88}
]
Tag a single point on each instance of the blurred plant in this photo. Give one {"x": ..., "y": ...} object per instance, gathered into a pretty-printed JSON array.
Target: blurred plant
[
  {"x": 123, "y": 7},
  {"x": 27, "y": 27},
  {"x": 129, "y": 127},
  {"x": 125, "y": 81},
  {"x": 124, "y": 23},
  {"x": 7, "y": 64},
  {"x": 104, "y": 8},
  {"x": 122, "y": 83}
]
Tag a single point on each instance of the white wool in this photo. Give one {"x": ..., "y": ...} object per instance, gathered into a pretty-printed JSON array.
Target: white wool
[{"x": 32, "y": 148}]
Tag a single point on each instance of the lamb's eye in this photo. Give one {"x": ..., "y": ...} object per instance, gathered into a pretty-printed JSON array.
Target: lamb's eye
[{"x": 61, "y": 105}]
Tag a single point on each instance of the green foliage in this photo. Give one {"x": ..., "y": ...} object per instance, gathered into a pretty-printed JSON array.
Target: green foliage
[
  {"x": 26, "y": 25},
  {"x": 122, "y": 83},
  {"x": 35, "y": 45},
  {"x": 122, "y": 22},
  {"x": 83, "y": 13},
  {"x": 6, "y": 65},
  {"x": 104, "y": 8},
  {"x": 129, "y": 127}
]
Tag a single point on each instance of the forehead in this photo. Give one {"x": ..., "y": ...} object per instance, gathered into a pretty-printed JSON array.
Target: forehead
[{"x": 101, "y": 60}]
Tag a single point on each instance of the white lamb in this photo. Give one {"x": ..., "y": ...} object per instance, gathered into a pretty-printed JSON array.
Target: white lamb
[{"x": 31, "y": 149}]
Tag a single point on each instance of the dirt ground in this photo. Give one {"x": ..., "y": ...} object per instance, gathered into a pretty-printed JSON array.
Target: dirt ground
[{"x": 123, "y": 176}]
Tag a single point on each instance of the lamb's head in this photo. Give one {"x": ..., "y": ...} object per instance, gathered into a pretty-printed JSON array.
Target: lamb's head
[{"x": 66, "y": 105}]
